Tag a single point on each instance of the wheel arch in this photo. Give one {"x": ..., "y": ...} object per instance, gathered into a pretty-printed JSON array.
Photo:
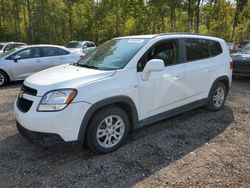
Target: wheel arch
[
  {"x": 8, "y": 76},
  {"x": 224, "y": 79},
  {"x": 123, "y": 102}
]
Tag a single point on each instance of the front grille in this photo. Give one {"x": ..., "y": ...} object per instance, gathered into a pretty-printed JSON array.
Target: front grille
[
  {"x": 23, "y": 104},
  {"x": 28, "y": 90}
]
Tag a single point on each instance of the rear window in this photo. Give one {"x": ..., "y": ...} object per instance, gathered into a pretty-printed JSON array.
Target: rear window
[
  {"x": 215, "y": 48},
  {"x": 74, "y": 45},
  {"x": 196, "y": 49}
]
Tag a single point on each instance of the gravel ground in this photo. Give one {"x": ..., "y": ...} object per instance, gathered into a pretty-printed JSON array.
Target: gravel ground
[{"x": 195, "y": 149}]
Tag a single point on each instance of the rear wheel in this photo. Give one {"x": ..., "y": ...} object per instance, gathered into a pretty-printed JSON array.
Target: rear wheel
[
  {"x": 217, "y": 97},
  {"x": 3, "y": 78},
  {"x": 107, "y": 130}
]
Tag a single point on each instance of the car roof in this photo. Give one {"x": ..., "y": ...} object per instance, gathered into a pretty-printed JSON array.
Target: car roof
[
  {"x": 80, "y": 41},
  {"x": 42, "y": 45},
  {"x": 181, "y": 35},
  {"x": 3, "y": 43}
]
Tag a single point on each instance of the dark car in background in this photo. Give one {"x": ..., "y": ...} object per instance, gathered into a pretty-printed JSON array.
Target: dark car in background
[{"x": 241, "y": 61}]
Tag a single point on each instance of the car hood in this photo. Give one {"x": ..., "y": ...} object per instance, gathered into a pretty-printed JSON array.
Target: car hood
[
  {"x": 64, "y": 76},
  {"x": 240, "y": 56}
]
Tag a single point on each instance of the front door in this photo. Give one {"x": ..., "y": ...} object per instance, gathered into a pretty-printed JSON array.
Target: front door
[
  {"x": 163, "y": 90},
  {"x": 28, "y": 63}
]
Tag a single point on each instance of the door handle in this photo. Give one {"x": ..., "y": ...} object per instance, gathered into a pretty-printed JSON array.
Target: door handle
[
  {"x": 209, "y": 70},
  {"x": 178, "y": 77}
]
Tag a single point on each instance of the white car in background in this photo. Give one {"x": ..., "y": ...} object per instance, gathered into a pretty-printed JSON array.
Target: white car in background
[
  {"x": 81, "y": 46},
  {"x": 6, "y": 46},
  {"x": 19, "y": 63}
]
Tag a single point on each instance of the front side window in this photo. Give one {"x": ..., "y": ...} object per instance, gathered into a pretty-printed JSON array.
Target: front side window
[
  {"x": 52, "y": 51},
  {"x": 168, "y": 51},
  {"x": 1, "y": 46},
  {"x": 196, "y": 49},
  {"x": 8, "y": 47},
  {"x": 113, "y": 54},
  {"x": 26, "y": 53}
]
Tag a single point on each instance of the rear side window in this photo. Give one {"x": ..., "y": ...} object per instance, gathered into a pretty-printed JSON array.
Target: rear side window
[
  {"x": 215, "y": 48},
  {"x": 52, "y": 51},
  {"x": 90, "y": 44},
  {"x": 196, "y": 49}
]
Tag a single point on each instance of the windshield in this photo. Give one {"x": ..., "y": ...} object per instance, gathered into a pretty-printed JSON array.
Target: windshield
[
  {"x": 1, "y": 46},
  {"x": 7, "y": 53},
  {"x": 113, "y": 54},
  {"x": 74, "y": 45},
  {"x": 246, "y": 48}
]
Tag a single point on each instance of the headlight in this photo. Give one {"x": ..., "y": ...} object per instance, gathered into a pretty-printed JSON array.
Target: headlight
[{"x": 57, "y": 100}]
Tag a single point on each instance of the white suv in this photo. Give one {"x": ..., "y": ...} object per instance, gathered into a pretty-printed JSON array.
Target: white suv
[{"x": 124, "y": 84}]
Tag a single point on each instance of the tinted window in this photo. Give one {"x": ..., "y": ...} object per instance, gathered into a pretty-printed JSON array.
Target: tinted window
[
  {"x": 27, "y": 53},
  {"x": 17, "y": 45},
  {"x": 90, "y": 45},
  {"x": 1, "y": 46},
  {"x": 168, "y": 51},
  {"x": 196, "y": 49},
  {"x": 74, "y": 45},
  {"x": 8, "y": 47},
  {"x": 52, "y": 51},
  {"x": 215, "y": 48}
]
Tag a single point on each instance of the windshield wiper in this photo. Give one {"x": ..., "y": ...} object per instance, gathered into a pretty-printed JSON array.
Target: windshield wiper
[{"x": 87, "y": 66}]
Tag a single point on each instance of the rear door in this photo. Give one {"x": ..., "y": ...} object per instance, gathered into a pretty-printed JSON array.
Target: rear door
[
  {"x": 53, "y": 56},
  {"x": 29, "y": 62},
  {"x": 198, "y": 68}
]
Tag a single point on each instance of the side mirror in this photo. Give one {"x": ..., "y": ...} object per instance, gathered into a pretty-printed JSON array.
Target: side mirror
[
  {"x": 16, "y": 58},
  {"x": 153, "y": 65}
]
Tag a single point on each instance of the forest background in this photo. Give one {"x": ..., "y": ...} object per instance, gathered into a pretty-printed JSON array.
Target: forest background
[{"x": 60, "y": 21}]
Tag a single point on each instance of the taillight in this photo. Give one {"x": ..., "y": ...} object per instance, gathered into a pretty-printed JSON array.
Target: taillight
[{"x": 231, "y": 65}]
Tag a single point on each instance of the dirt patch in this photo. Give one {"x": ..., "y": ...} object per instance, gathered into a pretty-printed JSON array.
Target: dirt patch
[{"x": 195, "y": 149}]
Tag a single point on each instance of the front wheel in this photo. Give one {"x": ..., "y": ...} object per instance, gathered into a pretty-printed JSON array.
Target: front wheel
[
  {"x": 3, "y": 78},
  {"x": 107, "y": 130},
  {"x": 217, "y": 97}
]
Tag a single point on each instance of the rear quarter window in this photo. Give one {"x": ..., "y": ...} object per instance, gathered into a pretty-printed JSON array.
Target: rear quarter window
[{"x": 215, "y": 48}]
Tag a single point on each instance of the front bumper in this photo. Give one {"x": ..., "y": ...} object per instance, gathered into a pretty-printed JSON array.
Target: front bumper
[
  {"x": 42, "y": 139},
  {"x": 65, "y": 124},
  {"x": 238, "y": 72}
]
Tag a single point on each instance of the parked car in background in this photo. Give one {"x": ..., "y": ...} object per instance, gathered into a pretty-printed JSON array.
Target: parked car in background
[
  {"x": 6, "y": 46},
  {"x": 122, "y": 85},
  {"x": 81, "y": 46},
  {"x": 243, "y": 44},
  {"x": 19, "y": 63},
  {"x": 241, "y": 61},
  {"x": 230, "y": 46}
]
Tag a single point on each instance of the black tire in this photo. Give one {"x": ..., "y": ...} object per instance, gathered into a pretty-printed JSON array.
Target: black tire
[
  {"x": 211, "y": 105},
  {"x": 98, "y": 120},
  {"x": 3, "y": 78}
]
